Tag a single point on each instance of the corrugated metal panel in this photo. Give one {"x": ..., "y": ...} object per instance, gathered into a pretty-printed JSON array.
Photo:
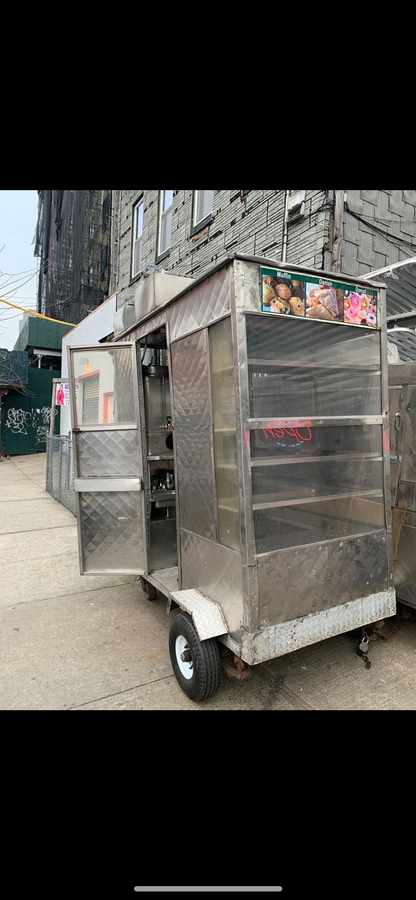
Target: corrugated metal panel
[
  {"x": 400, "y": 281},
  {"x": 405, "y": 341},
  {"x": 90, "y": 403}
]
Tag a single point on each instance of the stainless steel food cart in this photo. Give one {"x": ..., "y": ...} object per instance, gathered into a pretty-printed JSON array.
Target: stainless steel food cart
[
  {"x": 402, "y": 403},
  {"x": 232, "y": 451}
]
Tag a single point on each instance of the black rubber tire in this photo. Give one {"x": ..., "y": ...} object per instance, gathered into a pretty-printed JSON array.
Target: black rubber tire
[
  {"x": 148, "y": 589},
  {"x": 206, "y": 658}
]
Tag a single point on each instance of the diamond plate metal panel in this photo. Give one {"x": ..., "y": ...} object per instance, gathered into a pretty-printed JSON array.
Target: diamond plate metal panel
[
  {"x": 203, "y": 304},
  {"x": 193, "y": 435},
  {"x": 405, "y": 563},
  {"x": 108, "y": 453},
  {"x": 112, "y": 538},
  {"x": 214, "y": 570},
  {"x": 290, "y": 636},
  {"x": 207, "y": 616},
  {"x": 299, "y": 581}
]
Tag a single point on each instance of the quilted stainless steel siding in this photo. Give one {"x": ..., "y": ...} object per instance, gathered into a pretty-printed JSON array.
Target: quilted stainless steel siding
[
  {"x": 112, "y": 533},
  {"x": 107, "y": 453},
  {"x": 214, "y": 570},
  {"x": 299, "y": 581},
  {"x": 203, "y": 305},
  {"x": 195, "y": 481}
]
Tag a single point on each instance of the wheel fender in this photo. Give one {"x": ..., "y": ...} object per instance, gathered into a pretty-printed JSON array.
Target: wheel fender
[{"x": 207, "y": 615}]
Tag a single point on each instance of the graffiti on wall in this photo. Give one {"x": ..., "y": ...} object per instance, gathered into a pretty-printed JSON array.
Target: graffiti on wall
[{"x": 20, "y": 420}]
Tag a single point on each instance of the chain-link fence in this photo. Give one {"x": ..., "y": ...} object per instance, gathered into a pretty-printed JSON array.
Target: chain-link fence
[{"x": 59, "y": 471}]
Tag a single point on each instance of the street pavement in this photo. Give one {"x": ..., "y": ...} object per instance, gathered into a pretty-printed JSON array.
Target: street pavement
[{"x": 94, "y": 642}]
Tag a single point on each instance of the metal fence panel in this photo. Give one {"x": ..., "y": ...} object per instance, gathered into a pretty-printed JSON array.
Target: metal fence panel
[{"x": 59, "y": 470}]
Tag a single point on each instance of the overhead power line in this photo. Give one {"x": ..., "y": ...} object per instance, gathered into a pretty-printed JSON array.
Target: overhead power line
[{"x": 37, "y": 315}]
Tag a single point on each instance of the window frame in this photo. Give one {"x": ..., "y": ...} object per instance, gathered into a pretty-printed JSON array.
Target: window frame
[
  {"x": 198, "y": 226},
  {"x": 134, "y": 275},
  {"x": 162, "y": 254}
]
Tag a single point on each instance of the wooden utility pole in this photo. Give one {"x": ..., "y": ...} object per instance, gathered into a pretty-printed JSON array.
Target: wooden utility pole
[{"x": 338, "y": 223}]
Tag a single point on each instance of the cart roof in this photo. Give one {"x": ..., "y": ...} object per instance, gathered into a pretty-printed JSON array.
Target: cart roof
[
  {"x": 400, "y": 283},
  {"x": 264, "y": 261}
]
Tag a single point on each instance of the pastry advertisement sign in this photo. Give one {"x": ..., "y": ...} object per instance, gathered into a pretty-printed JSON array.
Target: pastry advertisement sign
[{"x": 317, "y": 298}]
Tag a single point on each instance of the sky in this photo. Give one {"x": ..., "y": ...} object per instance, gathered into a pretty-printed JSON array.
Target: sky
[{"x": 18, "y": 217}]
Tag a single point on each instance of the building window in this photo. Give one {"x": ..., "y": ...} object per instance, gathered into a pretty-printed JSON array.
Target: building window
[
  {"x": 91, "y": 231},
  {"x": 137, "y": 239},
  {"x": 165, "y": 221},
  {"x": 90, "y": 275},
  {"x": 202, "y": 210}
]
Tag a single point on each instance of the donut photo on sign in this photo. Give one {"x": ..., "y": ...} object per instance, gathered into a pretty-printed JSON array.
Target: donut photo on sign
[{"x": 360, "y": 309}]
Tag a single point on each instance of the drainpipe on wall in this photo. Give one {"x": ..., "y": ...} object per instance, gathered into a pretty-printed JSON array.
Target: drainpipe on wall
[
  {"x": 285, "y": 229},
  {"x": 338, "y": 224}
]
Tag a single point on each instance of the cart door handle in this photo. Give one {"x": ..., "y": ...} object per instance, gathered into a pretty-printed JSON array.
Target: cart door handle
[{"x": 397, "y": 421}]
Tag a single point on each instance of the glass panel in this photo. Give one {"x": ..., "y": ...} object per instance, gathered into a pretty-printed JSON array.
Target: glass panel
[
  {"x": 137, "y": 257},
  {"x": 105, "y": 384},
  {"x": 275, "y": 444},
  {"x": 167, "y": 200},
  {"x": 225, "y": 438},
  {"x": 302, "y": 369},
  {"x": 308, "y": 523},
  {"x": 111, "y": 531},
  {"x": 203, "y": 205},
  {"x": 139, "y": 221},
  {"x": 165, "y": 231},
  {"x": 320, "y": 478}
]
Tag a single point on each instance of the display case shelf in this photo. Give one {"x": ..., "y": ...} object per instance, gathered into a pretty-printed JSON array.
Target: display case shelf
[
  {"x": 271, "y": 501},
  {"x": 300, "y": 364},
  {"x": 294, "y": 460}
]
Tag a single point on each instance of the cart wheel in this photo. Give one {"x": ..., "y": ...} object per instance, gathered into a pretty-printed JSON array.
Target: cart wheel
[
  {"x": 196, "y": 664},
  {"x": 148, "y": 589}
]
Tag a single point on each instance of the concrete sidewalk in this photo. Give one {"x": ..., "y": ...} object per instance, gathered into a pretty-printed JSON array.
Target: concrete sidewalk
[{"x": 72, "y": 642}]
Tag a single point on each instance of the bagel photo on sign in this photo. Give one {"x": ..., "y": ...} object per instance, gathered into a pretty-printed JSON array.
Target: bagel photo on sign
[{"x": 282, "y": 293}]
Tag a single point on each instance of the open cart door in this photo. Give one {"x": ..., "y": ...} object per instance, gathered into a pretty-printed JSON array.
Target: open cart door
[{"x": 107, "y": 458}]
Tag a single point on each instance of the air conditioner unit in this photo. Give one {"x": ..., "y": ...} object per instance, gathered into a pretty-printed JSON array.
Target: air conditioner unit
[
  {"x": 156, "y": 290},
  {"x": 124, "y": 318},
  {"x": 295, "y": 205}
]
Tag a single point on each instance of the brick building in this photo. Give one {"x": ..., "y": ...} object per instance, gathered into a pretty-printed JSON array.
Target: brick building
[{"x": 188, "y": 232}]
